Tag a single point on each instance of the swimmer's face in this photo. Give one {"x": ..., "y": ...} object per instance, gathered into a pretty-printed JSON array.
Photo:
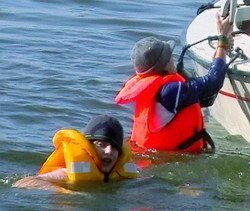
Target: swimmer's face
[{"x": 107, "y": 154}]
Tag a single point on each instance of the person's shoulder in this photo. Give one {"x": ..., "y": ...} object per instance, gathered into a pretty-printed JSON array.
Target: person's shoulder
[{"x": 170, "y": 88}]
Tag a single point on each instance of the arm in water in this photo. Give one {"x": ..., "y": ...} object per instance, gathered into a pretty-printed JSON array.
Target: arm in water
[{"x": 46, "y": 181}]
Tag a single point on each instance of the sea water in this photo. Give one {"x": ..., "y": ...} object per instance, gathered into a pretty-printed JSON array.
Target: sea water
[{"x": 61, "y": 63}]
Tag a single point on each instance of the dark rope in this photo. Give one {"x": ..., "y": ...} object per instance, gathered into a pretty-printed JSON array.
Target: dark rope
[
  {"x": 204, "y": 7},
  {"x": 180, "y": 64}
]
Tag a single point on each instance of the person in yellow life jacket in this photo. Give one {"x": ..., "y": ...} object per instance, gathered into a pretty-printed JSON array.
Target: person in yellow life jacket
[
  {"x": 167, "y": 114},
  {"x": 97, "y": 155}
]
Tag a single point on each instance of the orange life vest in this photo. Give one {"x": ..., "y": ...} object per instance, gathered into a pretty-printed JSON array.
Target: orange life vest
[{"x": 185, "y": 124}]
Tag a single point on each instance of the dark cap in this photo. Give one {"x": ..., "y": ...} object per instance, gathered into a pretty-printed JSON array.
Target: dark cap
[
  {"x": 151, "y": 55},
  {"x": 106, "y": 128}
]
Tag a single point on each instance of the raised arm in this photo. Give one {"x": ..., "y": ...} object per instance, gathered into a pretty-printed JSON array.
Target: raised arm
[{"x": 175, "y": 96}]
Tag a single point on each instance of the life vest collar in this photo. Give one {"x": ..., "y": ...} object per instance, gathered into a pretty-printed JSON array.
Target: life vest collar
[{"x": 75, "y": 153}]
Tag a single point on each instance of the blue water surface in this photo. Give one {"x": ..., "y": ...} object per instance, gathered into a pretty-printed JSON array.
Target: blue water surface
[{"x": 63, "y": 62}]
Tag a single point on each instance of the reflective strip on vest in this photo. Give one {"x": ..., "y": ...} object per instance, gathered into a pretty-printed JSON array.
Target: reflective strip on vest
[
  {"x": 80, "y": 167},
  {"x": 130, "y": 168}
]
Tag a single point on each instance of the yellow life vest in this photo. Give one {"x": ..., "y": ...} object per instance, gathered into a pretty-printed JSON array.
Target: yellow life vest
[{"x": 75, "y": 153}]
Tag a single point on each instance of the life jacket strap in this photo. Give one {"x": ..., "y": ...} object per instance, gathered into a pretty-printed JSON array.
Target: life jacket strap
[{"x": 196, "y": 137}]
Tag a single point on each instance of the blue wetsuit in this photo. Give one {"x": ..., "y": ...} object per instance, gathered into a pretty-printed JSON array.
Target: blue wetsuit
[{"x": 178, "y": 95}]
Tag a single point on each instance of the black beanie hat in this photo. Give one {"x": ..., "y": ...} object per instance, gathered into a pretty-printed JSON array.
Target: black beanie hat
[{"x": 106, "y": 128}]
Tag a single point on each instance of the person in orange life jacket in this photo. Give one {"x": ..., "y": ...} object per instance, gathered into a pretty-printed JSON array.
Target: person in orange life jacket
[
  {"x": 105, "y": 134},
  {"x": 167, "y": 113}
]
